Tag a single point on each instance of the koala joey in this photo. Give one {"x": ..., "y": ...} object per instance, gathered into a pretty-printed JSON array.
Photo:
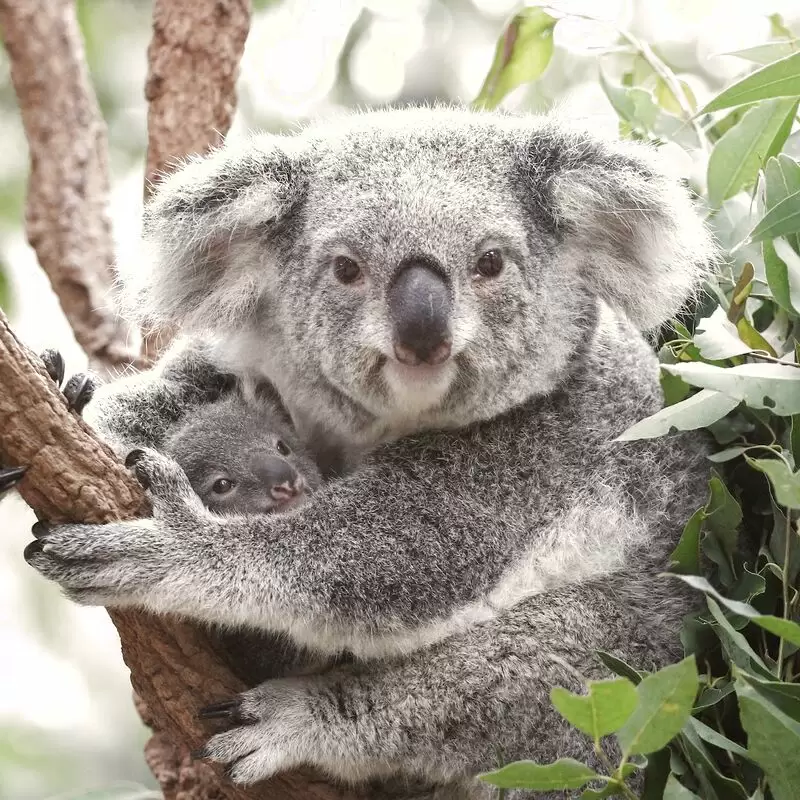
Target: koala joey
[
  {"x": 244, "y": 458},
  {"x": 462, "y": 294}
]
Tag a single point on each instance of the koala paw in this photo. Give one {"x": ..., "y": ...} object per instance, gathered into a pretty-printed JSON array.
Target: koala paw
[
  {"x": 273, "y": 731},
  {"x": 109, "y": 564},
  {"x": 166, "y": 483},
  {"x": 78, "y": 390}
]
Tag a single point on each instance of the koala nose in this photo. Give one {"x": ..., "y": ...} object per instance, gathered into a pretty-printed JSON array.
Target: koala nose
[
  {"x": 279, "y": 477},
  {"x": 420, "y": 306}
]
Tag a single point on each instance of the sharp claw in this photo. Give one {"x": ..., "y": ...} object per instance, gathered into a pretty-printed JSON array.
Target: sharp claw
[
  {"x": 54, "y": 364},
  {"x": 32, "y": 549},
  {"x": 9, "y": 478},
  {"x": 40, "y": 529},
  {"x": 78, "y": 391},
  {"x": 219, "y": 710}
]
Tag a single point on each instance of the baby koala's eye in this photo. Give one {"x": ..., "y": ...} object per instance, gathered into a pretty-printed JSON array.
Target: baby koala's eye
[
  {"x": 222, "y": 486},
  {"x": 490, "y": 264},
  {"x": 346, "y": 270},
  {"x": 282, "y": 447}
]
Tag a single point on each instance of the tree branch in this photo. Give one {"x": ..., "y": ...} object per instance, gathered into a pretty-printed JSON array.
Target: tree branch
[
  {"x": 73, "y": 476},
  {"x": 66, "y": 215}
]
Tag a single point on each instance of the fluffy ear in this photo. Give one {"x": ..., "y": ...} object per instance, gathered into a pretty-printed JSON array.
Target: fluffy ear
[
  {"x": 628, "y": 225},
  {"x": 204, "y": 254}
]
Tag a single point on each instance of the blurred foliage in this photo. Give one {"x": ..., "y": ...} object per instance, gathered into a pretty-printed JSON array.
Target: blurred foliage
[{"x": 724, "y": 722}]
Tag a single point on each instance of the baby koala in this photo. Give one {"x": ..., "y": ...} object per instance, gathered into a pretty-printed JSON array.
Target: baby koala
[{"x": 244, "y": 458}]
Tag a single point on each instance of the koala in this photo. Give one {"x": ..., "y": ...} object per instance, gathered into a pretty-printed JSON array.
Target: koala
[
  {"x": 244, "y": 458},
  {"x": 463, "y": 294}
]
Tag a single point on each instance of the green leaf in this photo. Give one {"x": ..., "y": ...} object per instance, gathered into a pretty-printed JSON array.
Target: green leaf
[
  {"x": 713, "y": 784},
  {"x": 786, "y": 696},
  {"x": 656, "y": 774},
  {"x": 740, "y": 153},
  {"x": 717, "y": 337},
  {"x": 715, "y": 738},
  {"x": 697, "y": 411},
  {"x": 711, "y": 696},
  {"x": 723, "y": 513},
  {"x": 685, "y": 558},
  {"x": 782, "y": 219},
  {"x": 619, "y": 667},
  {"x": 750, "y": 336},
  {"x": 766, "y": 53},
  {"x": 665, "y": 702},
  {"x": 674, "y": 389},
  {"x": 735, "y": 645},
  {"x": 566, "y": 773},
  {"x": 603, "y": 711},
  {"x": 728, "y": 454},
  {"x": 795, "y": 438},
  {"x": 772, "y": 386},
  {"x": 677, "y": 791},
  {"x": 790, "y": 263},
  {"x": 773, "y": 740},
  {"x": 785, "y": 483},
  {"x": 784, "y": 628},
  {"x": 522, "y": 55},
  {"x": 779, "y": 79}
]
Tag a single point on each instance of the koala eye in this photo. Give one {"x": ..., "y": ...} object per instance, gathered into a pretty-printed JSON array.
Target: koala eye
[
  {"x": 282, "y": 447},
  {"x": 346, "y": 270},
  {"x": 490, "y": 264},
  {"x": 222, "y": 486}
]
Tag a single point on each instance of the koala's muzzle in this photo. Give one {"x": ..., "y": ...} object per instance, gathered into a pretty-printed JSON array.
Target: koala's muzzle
[
  {"x": 420, "y": 307},
  {"x": 279, "y": 477}
]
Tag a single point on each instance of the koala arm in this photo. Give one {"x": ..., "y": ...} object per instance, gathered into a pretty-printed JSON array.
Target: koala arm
[
  {"x": 138, "y": 410},
  {"x": 337, "y": 573}
]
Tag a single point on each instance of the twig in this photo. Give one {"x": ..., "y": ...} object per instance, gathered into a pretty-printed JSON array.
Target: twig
[{"x": 66, "y": 215}]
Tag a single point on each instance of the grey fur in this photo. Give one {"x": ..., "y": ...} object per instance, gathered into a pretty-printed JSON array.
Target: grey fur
[
  {"x": 482, "y": 558},
  {"x": 252, "y": 446}
]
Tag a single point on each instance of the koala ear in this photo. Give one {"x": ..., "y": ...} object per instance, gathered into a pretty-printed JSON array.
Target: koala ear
[
  {"x": 204, "y": 254},
  {"x": 627, "y": 225}
]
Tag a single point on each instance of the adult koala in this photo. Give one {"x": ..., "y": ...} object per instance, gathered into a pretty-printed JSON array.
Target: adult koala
[{"x": 472, "y": 283}]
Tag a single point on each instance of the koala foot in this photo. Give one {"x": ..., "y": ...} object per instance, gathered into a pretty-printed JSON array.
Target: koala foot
[
  {"x": 273, "y": 730},
  {"x": 78, "y": 390},
  {"x": 10, "y": 477}
]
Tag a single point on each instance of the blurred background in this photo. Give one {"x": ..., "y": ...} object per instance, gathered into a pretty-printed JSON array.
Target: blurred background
[{"x": 67, "y": 724}]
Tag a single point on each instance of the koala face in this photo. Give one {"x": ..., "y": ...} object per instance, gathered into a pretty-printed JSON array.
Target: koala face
[
  {"x": 425, "y": 264},
  {"x": 244, "y": 460}
]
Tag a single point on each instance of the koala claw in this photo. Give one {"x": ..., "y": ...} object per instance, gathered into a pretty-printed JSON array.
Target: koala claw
[
  {"x": 10, "y": 477},
  {"x": 228, "y": 709},
  {"x": 79, "y": 390},
  {"x": 40, "y": 529},
  {"x": 54, "y": 364}
]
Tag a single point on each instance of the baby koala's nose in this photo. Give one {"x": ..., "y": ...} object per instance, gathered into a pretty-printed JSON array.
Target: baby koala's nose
[{"x": 279, "y": 477}]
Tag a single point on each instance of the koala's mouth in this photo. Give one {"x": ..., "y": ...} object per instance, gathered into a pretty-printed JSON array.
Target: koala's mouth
[{"x": 419, "y": 387}]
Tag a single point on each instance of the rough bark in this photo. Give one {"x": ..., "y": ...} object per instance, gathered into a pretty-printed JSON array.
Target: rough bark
[
  {"x": 66, "y": 216},
  {"x": 193, "y": 62},
  {"x": 73, "y": 476}
]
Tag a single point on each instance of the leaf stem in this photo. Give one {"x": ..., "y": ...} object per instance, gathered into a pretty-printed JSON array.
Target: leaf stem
[{"x": 787, "y": 553}]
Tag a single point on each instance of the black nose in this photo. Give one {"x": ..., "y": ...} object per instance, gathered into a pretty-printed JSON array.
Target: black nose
[
  {"x": 420, "y": 307},
  {"x": 279, "y": 477}
]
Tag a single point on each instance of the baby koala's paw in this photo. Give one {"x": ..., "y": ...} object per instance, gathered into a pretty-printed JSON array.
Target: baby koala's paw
[{"x": 78, "y": 390}]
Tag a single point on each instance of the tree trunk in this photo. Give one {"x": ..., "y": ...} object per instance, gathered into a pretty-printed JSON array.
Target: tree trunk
[{"x": 72, "y": 475}]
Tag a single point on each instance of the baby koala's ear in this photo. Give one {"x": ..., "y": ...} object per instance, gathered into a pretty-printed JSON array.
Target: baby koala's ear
[
  {"x": 205, "y": 246},
  {"x": 625, "y": 221}
]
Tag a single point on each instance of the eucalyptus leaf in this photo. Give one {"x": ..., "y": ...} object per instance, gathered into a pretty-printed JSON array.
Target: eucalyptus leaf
[
  {"x": 685, "y": 558},
  {"x": 522, "y": 55},
  {"x": 715, "y": 738},
  {"x": 779, "y": 79},
  {"x": 604, "y": 710},
  {"x": 619, "y": 667},
  {"x": 785, "y": 483},
  {"x": 717, "y": 337},
  {"x": 773, "y": 740},
  {"x": 674, "y": 790},
  {"x": 766, "y": 53},
  {"x": 665, "y": 702},
  {"x": 782, "y": 219},
  {"x": 791, "y": 263},
  {"x": 772, "y": 386},
  {"x": 697, "y": 411},
  {"x": 741, "y": 151},
  {"x": 566, "y": 773}
]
